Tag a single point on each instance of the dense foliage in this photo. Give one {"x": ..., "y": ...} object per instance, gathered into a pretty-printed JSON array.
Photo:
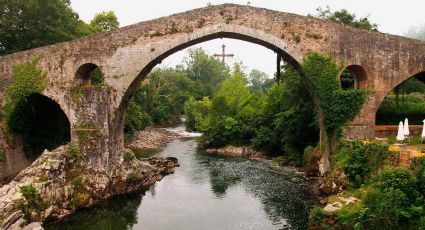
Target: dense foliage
[
  {"x": 279, "y": 120},
  {"x": 33, "y": 23},
  {"x": 160, "y": 98},
  {"x": 390, "y": 197},
  {"x": 205, "y": 71},
  {"x": 360, "y": 160}
]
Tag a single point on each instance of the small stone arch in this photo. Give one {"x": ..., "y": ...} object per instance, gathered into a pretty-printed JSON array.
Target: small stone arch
[
  {"x": 41, "y": 124},
  {"x": 356, "y": 77},
  {"x": 89, "y": 73}
]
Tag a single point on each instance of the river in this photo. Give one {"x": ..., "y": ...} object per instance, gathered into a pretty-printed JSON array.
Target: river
[{"x": 205, "y": 192}]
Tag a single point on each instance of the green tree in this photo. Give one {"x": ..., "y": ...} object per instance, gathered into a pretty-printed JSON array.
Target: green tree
[
  {"x": 27, "y": 24},
  {"x": 288, "y": 120},
  {"x": 346, "y": 18},
  {"x": 104, "y": 21},
  {"x": 33, "y": 23},
  {"x": 135, "y": 119},
  {"x": 257, "y": 80},
  {"x": 205, "y": 71},
  {"x": 159, "y": 99}
]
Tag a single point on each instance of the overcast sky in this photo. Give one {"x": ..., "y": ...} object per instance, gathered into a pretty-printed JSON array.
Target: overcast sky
[{"x": 393, "y": 17}]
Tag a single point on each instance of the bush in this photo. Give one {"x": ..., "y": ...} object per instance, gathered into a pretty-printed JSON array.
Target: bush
[
  {"x": 318, "y": 218},
  {"x": 389, "y": 209},
  {"x": 34, "y": 203},
  {"x": 196, "y": 113},
  {"x": 74, "y": 151},
  {"x": 353, "y": 216},
  {"x": 418, "y": 168},
  {"x": 397, "y": 179},
  {"x": 263, "y": 140},
  {"x": 135, "y": 119},
  {"x": 361, "y": 160}
]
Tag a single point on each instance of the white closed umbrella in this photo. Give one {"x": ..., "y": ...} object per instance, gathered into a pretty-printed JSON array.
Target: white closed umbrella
[
  {"x": 423, "y": 130},
  {"x": 400, "y": 132},
  {"x": 406, "y": 127}
]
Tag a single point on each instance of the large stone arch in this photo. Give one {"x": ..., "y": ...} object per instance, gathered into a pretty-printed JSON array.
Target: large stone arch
[
  {"x": 419, "y": 75},
  {"x": 290, "y": 54}
]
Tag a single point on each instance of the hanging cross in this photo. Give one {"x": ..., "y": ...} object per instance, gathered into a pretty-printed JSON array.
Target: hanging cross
[{"x": 223, "y": 56}]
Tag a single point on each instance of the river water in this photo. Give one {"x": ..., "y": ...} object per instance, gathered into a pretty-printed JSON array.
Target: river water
[{"x": 205, "y": 192}]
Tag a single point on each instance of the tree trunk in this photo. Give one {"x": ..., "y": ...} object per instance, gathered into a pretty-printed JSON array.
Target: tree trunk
[{"x": 324, "y": 146}]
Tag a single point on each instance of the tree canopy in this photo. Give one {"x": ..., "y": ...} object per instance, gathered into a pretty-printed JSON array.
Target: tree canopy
[
  {"x": 104, "y": 21},
  {"x": 27, "y": 24},
  {"x": 344, "y": 17}
]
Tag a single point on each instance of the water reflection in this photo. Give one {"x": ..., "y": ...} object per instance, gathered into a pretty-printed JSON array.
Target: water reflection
[
  {"x": 206, "y": 192},
  {"x": 116, "y": 214}
]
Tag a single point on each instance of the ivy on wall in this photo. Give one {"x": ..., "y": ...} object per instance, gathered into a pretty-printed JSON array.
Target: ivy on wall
[
  {"x": 335, "y": 106},
  {"x": 27, "y": 79}
]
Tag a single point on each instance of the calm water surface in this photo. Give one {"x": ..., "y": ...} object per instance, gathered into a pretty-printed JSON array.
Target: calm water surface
[{"x": 205, "y": 192}]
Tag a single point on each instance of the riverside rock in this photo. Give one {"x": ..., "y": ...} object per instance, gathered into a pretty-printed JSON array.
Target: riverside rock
[
  {"x": 152, "y": 138},
  {"x": 65, "y": 185},
  {"x": 242, "y": 151}
]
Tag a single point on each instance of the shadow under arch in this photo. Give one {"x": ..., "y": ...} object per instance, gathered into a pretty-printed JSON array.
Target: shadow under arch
[
  {"x": 382, "y": 119},
  {"x": 244, "y": 34},
  {"x": 40, "y": 123}
]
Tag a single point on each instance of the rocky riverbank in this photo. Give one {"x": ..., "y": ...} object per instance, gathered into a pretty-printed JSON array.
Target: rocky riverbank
[
  {"x": 57, "y": 184},
  {"x": 151, "y": 138}
]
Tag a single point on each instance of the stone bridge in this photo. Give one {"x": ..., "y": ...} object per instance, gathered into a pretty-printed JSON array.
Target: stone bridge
[{"x": 126, "y": 55}]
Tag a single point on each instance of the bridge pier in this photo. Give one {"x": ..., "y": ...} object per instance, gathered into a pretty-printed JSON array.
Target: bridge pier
[
  {"x": 358, "y": 131},
  {"x": 90, "y": 124}
]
